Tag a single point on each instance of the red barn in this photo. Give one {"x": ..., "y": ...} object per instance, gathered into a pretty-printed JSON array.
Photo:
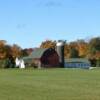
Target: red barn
[{"x": 44, "y": 58}]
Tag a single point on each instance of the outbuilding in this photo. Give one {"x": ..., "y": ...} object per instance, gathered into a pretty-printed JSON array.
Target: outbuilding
[{"x": 77, "y": 63}]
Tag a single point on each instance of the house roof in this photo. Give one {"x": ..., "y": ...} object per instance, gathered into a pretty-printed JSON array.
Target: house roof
[{"x": 82, "y": 60}]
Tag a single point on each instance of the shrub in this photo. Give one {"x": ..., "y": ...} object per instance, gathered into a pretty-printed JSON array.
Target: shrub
[
  {"x": 2, "y": 63},
  {"x": 98, "y": 63}
]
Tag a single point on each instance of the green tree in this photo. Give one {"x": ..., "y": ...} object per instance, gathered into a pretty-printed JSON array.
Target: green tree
[
  {"x": 74, "y": 53},
  {"x": 98, "y": 63},
  {"x": 94, "y": 45}
]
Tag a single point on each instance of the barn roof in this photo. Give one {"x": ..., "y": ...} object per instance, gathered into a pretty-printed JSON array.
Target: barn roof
[
  {"x": 82, "y": 60},
  {"x": 37, "y": 53}
]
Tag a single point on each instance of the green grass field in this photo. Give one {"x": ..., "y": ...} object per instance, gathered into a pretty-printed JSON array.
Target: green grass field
[{"x": 49, "y": 84}]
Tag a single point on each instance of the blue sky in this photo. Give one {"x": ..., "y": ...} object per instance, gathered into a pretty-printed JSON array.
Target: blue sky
[{"x": 29, "y": 22}]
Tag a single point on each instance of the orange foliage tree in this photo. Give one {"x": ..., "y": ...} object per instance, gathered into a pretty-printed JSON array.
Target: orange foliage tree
[{"x": 48, "y": 44}]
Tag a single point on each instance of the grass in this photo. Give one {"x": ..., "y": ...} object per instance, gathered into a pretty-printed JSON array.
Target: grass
[{"x": 49, "y": 84}]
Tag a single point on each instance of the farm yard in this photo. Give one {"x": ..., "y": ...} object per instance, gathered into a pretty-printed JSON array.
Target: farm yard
[
  {"x": 49, "y": 84},
  {"x": 50, "y": 50}
]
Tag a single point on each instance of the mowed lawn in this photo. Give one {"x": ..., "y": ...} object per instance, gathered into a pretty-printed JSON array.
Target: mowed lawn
[{"x": 49, "y": 84}]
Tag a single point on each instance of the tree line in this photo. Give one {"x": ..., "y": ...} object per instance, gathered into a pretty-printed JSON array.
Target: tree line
[
  {"x": 75, "y": 49},
  {"x": 79, "y": 49},
  {"x": 14, "y": 50},
  {"x": 8, "y": 54}
]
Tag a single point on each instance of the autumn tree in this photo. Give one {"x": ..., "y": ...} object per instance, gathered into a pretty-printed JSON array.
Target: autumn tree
[
  {"x": 8, "y": 50},
  {"x": 82, "y": 48},
  {"x": 48, "y": 44},
  {"x": 73, "y": 48},
  {"x": 2, "y": 49},
  {"x": 66, "y": 51},
  {"x": 15, "y": 51}
]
